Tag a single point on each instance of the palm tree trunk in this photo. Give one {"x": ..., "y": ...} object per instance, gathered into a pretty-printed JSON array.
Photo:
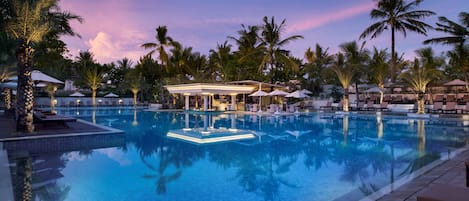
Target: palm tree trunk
[
  {"x": 135, "y": 99},
  {"x": 7, "y": 98},
  {"x": 52, "y": 101},
  {"x": 93, "y": 97},
  {"x": 23, "y": 182},
  {"x": 25, "y": 96},
  {"x": 345, "y": 101},
  {"x": 420, "y": 103},
  {"x": 393, "y": 56}
]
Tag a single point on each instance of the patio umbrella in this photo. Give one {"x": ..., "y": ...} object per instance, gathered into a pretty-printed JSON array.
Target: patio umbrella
[
  {"x": 259, "y": 93},
  {"x": 111, "y": 95},
  {"x": 456, "y": 83},
  {"x": 373, "y": 90},
  {"x": 297, "y": 94},
  {"x": 305, "y": 91},
  {"x": 77, "y": 94},
  {"x": 39, "y": 76},
  {"x": 10, "y": 85}
]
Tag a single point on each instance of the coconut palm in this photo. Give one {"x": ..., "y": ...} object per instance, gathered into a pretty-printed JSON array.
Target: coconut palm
[
  {"x": 316, "y": 62},
  {"x": 397, "y": 15},
  {"x": 93, "y": 77},
  {"x": 163, "y": 41},
  {"x": 458, "y": 33},
  {"x": 29, "y": 22},
  {"x": 423, "y": 71},
  {"x": 51, "y": 89},
  {"x": 272, "y": 40},
  {"x": 379, "y": 68},
  {"x": 459, "y": 63},
  {"x": 133, "y": 79},
  {"x": 345, "y": 74},
  {"x": 356, "y": 58}
]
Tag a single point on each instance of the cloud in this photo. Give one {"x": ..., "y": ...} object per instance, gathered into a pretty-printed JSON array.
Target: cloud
[
  {"x": 315, "y": 21},
  {"x": 109, "y": 48},
  {"x": 115, "y": 155}
]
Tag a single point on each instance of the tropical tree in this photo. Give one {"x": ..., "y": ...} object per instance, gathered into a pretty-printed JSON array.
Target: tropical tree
[
  {"x": 247, "y": 57},
  {"x": 345, "y": 74},
  {"x": 273, "y": 43},
  {"x": 133, "y": 81},
  {"x": 28, "y": 23},
  {"x": 458, "y": 33},
  {"x": 163, "y": 41},
  {"x": 220, "y": 58},
  {"x": 458, "y": 64},
  {"x": 51, "y": 89},
  {"x": 379, "y": 69},
  {"x": 93, "y": 77},
  {"x": 423, "y": 71},
  {"x": 356, "y": 59},
  {"x": 316, "y": 62},
  {"x": 397, "y": 15}
]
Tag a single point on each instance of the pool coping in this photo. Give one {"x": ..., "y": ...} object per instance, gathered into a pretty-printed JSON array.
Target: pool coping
[{"x": 107, "y": 130}]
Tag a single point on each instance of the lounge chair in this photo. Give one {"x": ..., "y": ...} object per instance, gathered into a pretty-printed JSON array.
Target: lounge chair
[
  {"x": 46, "y": 119},
  {"x": 437, "y": 107},
  {"x": 383, "y": 106},
  {"x": 438, "y": 98},
  {"x": 464, "y": 99},
  {"x": 328, "y": 106},
  {"x": 466, "y": 109},
  {"x": 339, "y": 106},
  {"x": 360, "y": 106},
  {"x": 441, "y": 192},
  {"x": 370, "y": 106},
  {"x": 450, "y": 98},
  {"x": 450, "y": 107}
]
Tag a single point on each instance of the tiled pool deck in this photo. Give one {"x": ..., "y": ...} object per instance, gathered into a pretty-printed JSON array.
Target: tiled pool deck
[{"x": 450, "y": 171}]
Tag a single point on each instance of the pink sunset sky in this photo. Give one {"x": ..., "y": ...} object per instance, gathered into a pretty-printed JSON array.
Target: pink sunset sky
[{"x": 114, "y": 29}]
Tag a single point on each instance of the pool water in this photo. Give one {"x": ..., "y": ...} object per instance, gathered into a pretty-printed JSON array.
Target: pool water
[{"x": 314, "y": 156}]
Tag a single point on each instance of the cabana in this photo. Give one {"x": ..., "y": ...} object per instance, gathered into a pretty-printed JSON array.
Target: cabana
[{"x": 207, "y": 90}]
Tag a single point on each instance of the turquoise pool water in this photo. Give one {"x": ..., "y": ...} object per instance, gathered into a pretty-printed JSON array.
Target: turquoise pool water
[{"x": 305, "y": 157}]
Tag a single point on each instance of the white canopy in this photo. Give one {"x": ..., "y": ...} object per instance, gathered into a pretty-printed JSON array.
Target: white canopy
[
  {"x": 297, "y": 94},
  {"x": 111, "y": 95},
  {"x": 77, "y": 94},
  {"x": 278, "y": 93},
  {"x": 305, "y": 91},
  {"x": 39, "y": 76},
  {"x": 259, "y": 93},
  {"x": 373, "y": 90}
]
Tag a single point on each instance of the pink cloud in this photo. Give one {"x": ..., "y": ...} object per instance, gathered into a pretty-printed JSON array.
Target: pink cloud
[
  {"x": 318, "y": 21},
  {"x": 109, "y": 48}
]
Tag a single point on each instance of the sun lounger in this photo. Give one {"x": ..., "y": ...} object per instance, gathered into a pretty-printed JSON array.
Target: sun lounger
[
  {"x": 450, "y": 107},
  {"x": 441, "y": 192},
  {"x": 370, "y": 106},
  {"x": 360, "y": 106},
  {"x": 46, "y": 119},
  {"x": 466, "y": 109},
  {"x": 437, "y": 107},
  {"x": 383, "y": 106},
  {"x": 328, "y": 106}
]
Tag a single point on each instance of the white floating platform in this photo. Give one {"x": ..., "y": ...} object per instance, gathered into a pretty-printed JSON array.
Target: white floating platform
[{"x": 210, "y": 135}]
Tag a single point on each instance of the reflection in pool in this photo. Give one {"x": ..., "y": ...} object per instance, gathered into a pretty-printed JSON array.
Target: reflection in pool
[{"x": 302, "y": 157}]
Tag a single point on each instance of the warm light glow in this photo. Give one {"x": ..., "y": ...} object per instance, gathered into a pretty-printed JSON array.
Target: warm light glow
[{"x": 210, "y": 140}]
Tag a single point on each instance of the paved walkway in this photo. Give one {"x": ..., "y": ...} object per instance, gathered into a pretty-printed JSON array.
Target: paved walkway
[{"x": 451, "y": 172}]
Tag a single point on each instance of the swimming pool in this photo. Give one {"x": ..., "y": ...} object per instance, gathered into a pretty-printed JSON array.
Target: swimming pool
[{"x": 313, "y": 156}]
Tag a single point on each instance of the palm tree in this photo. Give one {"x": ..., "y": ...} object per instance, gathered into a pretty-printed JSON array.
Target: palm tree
[
  {"x": 51, "y": 89},
  {"x": 379, "y": 68},
  {"x": 93, "y": 77},
  {"x": 458, "y": 33},
  {"x": 421, "y": 73},
  {"x": 219, "y": 59},
  {"x": 133, "y": 79},
  {"x": 459, "y": 63},
  {"x": 398, "y": 15},
  {"x": 345, "y": 74},
  {"x": 272, "y": 41},
  {"x": 30, "y": 22},
  {"x": 162, "y": 41},
  {"x": 316, "y": 62},
  {"x": 356, "y": 58}
]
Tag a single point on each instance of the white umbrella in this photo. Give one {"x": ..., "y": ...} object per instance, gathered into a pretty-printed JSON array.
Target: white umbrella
[
  {"x": 10, "y": 85},
  {"x": 278, "y": 93},
  {"x": 305, "y": 91},
  {"x": 77, "y": 94},
  {"x": 373, "y": 90},
  {"x": 111, "y": 95},
  {"x": 38, "y": 76},
  {"x": 297, "y": 94},
  {"x": 260, "y": 93}
]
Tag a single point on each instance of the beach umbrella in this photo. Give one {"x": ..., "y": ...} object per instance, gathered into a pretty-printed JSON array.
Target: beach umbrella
[
  {"x": 9, "y": 85},
  {"x": 373, "y": 90},
  {"x": 305, "y": 91},
  {"x": 111, "y": 95},
  {"x": 297, "y": 94},
  {"x": 259, "y": 93},
  {"x": 77, "y": 94},
  {"x": 39, "y": 78},
  {"x": 278, "y": 93},
  {"x": 456, "y": 83}
]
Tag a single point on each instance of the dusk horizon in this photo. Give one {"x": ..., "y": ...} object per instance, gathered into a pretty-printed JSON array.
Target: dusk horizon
[{"x": 203, "y": 26}]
